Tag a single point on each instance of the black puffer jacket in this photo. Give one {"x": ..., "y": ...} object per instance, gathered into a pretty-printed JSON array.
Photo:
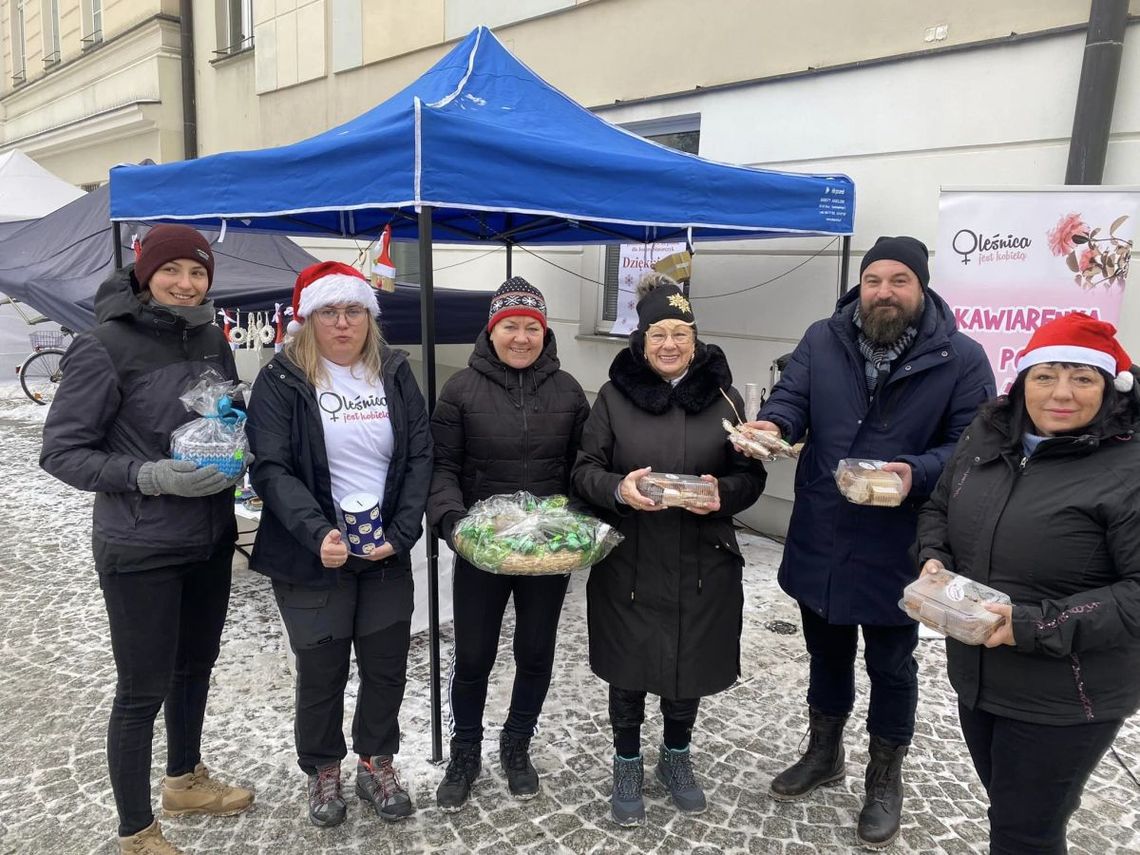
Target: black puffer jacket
[
  {"x": 1060, "y": 533},
  {"x": 291, "y": 473},
  {"x": 665, "y": 608},
  {"x": 500, "y": 430},
  {"x": 115, "y": 410}
]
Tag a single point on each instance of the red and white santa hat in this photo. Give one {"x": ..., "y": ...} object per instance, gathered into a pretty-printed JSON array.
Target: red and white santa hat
[
  {"x": 1079, "y": 339},
  {"x": 329, "y": 283}
]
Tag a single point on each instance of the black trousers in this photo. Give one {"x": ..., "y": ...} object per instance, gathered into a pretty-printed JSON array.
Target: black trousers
[
  {"x": 627, "y": 714},
  {"x": 166, "y": 628},
  {"x": 889, "y": 655},
  {"x": 479, "y": 600},
  {"x": 1034, "y": 775},
  {"x": 369, "y": 611}
]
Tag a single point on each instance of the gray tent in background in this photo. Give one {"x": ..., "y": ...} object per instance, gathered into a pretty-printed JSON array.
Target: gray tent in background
[{"x": 56, "y": 264}]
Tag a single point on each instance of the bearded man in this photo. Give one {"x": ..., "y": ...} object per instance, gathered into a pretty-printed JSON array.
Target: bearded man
[{"x": 887, "y": 377}]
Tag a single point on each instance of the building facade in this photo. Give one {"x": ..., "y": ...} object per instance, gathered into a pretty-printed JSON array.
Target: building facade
[
  {"x": 90, "y": 83},
  {"x": 904, "y": 97}
]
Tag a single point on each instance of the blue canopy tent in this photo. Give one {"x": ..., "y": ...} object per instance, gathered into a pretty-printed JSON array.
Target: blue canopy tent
[{"x": 480, "y": 149}]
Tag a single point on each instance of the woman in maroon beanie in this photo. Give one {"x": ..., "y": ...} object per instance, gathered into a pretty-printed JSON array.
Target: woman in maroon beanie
[{"x": 163, "y": 530}]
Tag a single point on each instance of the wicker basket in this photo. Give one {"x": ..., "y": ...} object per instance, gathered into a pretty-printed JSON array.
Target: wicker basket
[{"x": 550, "y": 564}]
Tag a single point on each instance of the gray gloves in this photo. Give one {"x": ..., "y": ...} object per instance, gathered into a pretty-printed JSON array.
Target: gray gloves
[{"x": 180, "y": 478}]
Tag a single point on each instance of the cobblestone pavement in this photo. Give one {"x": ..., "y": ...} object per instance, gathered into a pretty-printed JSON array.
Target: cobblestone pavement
[{"x": 57, "y": 677}]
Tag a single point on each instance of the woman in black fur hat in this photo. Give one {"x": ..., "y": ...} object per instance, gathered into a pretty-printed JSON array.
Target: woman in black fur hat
[{"x": 665, "y": 607}]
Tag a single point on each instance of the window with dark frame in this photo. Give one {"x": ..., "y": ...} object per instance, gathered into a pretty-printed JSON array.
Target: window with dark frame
[
  {"x": 235, "y": 26},
  {"x": 681, "y": 133}
]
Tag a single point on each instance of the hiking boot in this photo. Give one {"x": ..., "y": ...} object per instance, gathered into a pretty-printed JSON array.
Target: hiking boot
[
  {"x": 149, "y": 841},
  {"x": 675, "y": 772},
  {"x": 377, "y": 784},
  {"x": 462, "y": 770},
  {"x": 514, "y": 755},
  {"x": 627, "y": 807},
  {"x": 823, "y": 763},
  {"x": 882, "y": 805},
  {"x": 197, "y": 792},
  {"x": 326, "y": 804}
]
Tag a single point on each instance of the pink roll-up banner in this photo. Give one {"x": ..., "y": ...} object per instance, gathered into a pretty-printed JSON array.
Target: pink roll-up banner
[{"x": 1011, "y": 259}]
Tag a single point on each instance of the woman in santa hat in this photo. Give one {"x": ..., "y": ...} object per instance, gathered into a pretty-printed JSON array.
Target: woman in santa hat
[
  {"x": 1042, "y": 502},
  {"x": 338, "y": 413}
]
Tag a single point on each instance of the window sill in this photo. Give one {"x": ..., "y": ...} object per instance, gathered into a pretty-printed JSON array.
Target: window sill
[
  {"x": 621, "y": 340},
  {"x": 222, "y": 60}
]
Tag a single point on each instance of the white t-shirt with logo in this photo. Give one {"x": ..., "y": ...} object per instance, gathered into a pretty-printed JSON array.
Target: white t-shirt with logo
[{"x": 357, "y": 429}]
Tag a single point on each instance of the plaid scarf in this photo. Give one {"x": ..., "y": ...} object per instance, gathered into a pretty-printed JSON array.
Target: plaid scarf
[{"x": 877, "y": 358}]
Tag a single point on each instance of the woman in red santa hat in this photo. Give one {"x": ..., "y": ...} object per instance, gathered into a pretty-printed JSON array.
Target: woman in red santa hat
[
  {"x": 1042, "y": 502},
  {"x": 337, "y": 414}
]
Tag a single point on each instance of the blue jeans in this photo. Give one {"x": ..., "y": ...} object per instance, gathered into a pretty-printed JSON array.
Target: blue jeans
[{"x": 889, "y": 656}]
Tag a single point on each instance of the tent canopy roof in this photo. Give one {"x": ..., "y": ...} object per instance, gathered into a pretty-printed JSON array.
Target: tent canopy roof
[
  {"x": 57, "y": 263},
  {"x": 500, "y": 155},
  {"x": 28, "y": 191}
]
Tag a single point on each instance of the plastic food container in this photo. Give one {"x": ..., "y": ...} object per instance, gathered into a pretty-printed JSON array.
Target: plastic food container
[
  {"x": 865, "y": 482},
  {"x": 761, "y": 444},
  {"x": 952, "y": 604},
  {"x": 677, "y": 491}
]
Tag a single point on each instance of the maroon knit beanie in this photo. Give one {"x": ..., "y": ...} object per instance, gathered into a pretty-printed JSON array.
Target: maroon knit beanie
[{"x": 170, "y": 242}]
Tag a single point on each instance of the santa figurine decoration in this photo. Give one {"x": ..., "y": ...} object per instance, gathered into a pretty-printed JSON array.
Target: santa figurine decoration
[
  {"x": 383, "y": 270},
  {"x": 279, "y": 326}
]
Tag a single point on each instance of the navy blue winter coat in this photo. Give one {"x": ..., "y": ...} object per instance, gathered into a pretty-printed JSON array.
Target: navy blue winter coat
[{"x": 848, "y": 563}]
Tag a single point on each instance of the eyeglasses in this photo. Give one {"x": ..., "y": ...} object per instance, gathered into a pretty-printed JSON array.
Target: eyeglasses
[
  {"x": 680, "y": 338},
  {"x": 353, "y": 315}
]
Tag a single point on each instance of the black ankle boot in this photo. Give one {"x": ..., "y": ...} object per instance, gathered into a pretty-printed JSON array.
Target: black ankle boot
[
  {"x": 882, "y": 805},
  {"x": 462, "y": 769},
  {"x": 822, "y": 763},
  {"x": 514, "y": 755}
]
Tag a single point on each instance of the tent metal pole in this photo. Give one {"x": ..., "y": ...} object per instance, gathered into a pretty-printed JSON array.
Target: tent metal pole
[
  {"x": 509, "y": 246},
  {"x": 427, "y": 342},
  {"x": 844, "y": 264},
  {"x": 117, "y": 237}
]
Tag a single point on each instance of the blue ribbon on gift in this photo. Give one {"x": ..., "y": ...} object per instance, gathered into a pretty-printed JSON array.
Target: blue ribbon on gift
[{"x": 226, "y": 413}]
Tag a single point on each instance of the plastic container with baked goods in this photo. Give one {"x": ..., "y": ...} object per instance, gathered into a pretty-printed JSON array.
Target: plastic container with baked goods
[
  {"x": 865, "y": 482},
  {"x": 676, "y": 491},
  {"x": 953, "y": 605}
]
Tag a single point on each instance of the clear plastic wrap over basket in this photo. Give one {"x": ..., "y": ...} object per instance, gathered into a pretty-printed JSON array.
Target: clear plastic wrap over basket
[
  {"x": 523, "y": 535},
  {"x": 218, "y": 437}
]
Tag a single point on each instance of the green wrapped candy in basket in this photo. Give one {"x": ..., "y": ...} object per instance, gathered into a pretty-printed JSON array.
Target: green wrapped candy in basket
[{"x": 524, "y": 535}]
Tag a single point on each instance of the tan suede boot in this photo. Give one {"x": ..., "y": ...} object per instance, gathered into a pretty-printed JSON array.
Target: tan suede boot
[
  {"x": 197, "y": 792},
  {"x": 149, "y": 841}
]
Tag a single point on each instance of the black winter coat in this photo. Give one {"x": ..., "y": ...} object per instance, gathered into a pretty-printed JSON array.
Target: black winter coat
[
  {"x": 500, "y": 430},
  {"x": 665, "y": 607},
  {"x": 848, "y": 563},
  {"x": 115, "y": 410},
  {"x": 1059, "y": 533},
  {"x": 291, "y": 473}
]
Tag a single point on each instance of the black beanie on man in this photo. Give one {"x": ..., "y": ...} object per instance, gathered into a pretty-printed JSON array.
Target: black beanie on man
[{"x": 906, "y": 250}]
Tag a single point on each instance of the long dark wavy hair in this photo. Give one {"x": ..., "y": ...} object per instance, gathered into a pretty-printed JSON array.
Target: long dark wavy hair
[{"x": 1119, "y": 411}]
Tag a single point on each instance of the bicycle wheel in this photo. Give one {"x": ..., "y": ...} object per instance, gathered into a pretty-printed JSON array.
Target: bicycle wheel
[{"x": 40, "y": 374}]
